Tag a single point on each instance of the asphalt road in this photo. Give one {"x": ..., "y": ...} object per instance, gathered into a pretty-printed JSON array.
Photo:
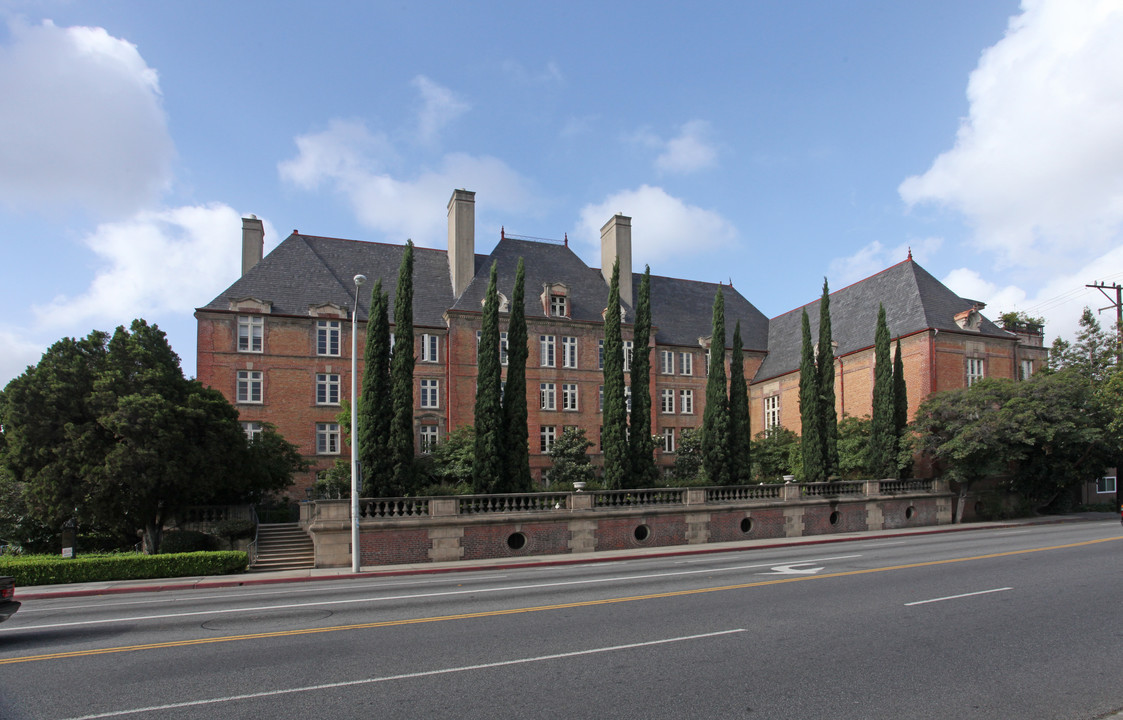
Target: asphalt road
[{"x": 1009, "y": 623}]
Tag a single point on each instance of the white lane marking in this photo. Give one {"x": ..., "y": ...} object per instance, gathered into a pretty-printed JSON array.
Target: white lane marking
[
  {"x": 182, "y": 598},
  {"x": 791, "y": 569},
  {"x": 406, "y": 676},
  {"x": 885, "y": 544},
  {"x": 352, "y": 601},
  {"x": 956, "y": 597}
]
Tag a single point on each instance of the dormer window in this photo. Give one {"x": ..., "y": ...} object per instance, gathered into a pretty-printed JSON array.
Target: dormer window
[
  {"x": 559, "y": 306},
  {"x": 504, "y": 303},
  {"x": 555, "y": 300},
  {"x": 969, "y": 319}
]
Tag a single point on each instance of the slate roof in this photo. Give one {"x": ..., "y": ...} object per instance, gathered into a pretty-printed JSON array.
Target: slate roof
[
  {"x": 914, "y": 301},
  {"x": 683, "y": 311},
  {"x": 307, "y": 270}
]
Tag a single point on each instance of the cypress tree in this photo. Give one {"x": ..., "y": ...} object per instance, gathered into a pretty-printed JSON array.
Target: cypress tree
[
  {"x": 740, "y": 430},
  {"x": 374, "y": 421},
  {"x": 614, "y": 433},
  {"x": 900, "y": 400},
  {"x": 828, "y": 414},
  {"x": 516, "y": 450},
  {"x": 715, "y": 419},
  {"x": 401, "y": 378},
  {"x": 641, "y": 445},
  {"x": 883, "y": 437},
  {"x": 810, "y": 410},
  {"x": 486, "y": 467}
]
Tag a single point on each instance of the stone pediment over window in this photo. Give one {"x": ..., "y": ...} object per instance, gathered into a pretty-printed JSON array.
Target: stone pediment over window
[
  {"x": 251, "y": 304},
  {"x": 555, "y": 299},
  {"x": 504, "y": 303},
  {"x": 623, "y": 313},
  {"x": 704, "y": 342},
  {"x": 327, "y": 310},
  {"x": 969, "y": 319}
]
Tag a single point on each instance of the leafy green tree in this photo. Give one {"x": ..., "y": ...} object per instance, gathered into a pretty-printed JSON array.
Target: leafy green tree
[
  {"x": 715, "y": 418},
  {"x": 688, "y": 457},
  {"x": 883, "y": 436},
  {"x": 740, "y": 430},
  {"x": 810, "y": 410},
  {"x": 614, "y": 438},
  {"x": 487, "y": 468},
  {"x": 853, "y": 447},
  {"x": 776, "y": 452},
  {"x": 569, "y": 455},
  {"x": 374, "y": 422},
  {"x": 1093, "y": 355},
  {"x": 641, "y": 445},
  {"x": 516, "y": 450},
  {"x": 454, "y": 458},
  {"x": 901, "y": 408},
  {"x": 828, "y": 416},
  {"x": 401, "y": 380}
]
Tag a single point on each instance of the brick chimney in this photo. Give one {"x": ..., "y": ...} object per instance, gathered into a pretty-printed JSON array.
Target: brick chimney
[
  {"x": 461, "y": 240},
  {"x": 253, "y": 242},
  {"x": 616, "y": 242}
]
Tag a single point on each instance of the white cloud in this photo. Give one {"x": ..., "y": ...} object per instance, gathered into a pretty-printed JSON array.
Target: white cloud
[
  {"x": 875, "y": 257},
  {"x": 352, "y": 160},
  {"x": 550, "y": 74},
  {"x": 439, "y": 107},
  {"x": 81, "y": 121},
  {"x": 158, "y": 262},
  {"x": 1037, "y": 166},
  {"x": 690, "y": 152},
  {"x": 17, "y": 352},
  {"x": 662, "y": 226}
]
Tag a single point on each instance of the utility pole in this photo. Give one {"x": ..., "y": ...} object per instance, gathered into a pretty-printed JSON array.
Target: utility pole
[{"x": 1117, "y": 304}]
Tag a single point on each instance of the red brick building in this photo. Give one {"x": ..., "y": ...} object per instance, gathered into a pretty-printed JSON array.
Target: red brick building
[{"x": 277, "y": 341}]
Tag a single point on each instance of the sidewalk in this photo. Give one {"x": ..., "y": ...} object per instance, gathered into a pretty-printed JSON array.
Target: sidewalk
[{"x": 289, "y": 576}]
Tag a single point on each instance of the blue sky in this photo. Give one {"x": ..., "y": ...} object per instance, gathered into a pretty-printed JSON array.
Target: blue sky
[{"x": 765, "y": 143}]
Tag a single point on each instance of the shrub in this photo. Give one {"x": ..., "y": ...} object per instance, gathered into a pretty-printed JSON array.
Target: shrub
[
  {"x": 181, "y": 541},
  {"x": 234, "y": 529},
  {"x": 52, "y": 570}
]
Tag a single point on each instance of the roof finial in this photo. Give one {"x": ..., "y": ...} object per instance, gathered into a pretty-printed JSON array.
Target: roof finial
[
  {"x": 502, "y": 232},
  {"x": 567, "y": 239},
  {"x": 910, "y": 253}
]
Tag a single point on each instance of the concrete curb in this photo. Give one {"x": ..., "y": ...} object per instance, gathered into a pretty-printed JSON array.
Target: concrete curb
[{"x": 165, "y": 584}]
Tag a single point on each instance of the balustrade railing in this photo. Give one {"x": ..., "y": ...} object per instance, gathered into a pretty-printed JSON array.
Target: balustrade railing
[
  {"x": 638, "y": 498},
  {"x": 394, "y": 507},
  {"x": 833, "y": 489},
  {"x": 897, "y": 487},
  {"x": 738, "y": 493},
  {"x": 516, "y": 502}
]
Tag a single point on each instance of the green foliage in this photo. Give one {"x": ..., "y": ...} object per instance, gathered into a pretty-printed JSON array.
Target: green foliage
[
  {"x": 810, "y": 410},
  {"x": 828, "y": 415},
  {"x": 516, "y": 450},
  {"x": 107, "y": 430},
  {"x": 614, "y": 439},
  {"x": 374, "y": 399},
  {"x": 233, "y": 530},
  {"x": 333, "y": 483},
  {"x": 487, "y": 468},
  {"x": 853, "y": 448},
  {"x": 883, "y": 433},
  {"x": 569, "y": 455},
  {"x": 687, "y": 468},
  {"x": 1092, "y": 356},
  {"x": 31, "y": 570},
  {"x": 401, "y": 381},
  {"x": 453, "y": 459},
  {"x": 776, "y": 452},
  {"x": 740, "y": 429},
  {"x": 1020, "y": 319},
  {"x": 715, "y": 418},
  {"x": 186, "y": 541},
  {"x": 642, "y": 447}
]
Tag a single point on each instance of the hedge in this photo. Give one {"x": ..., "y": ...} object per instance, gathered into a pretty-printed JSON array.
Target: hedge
[{"x": 54, "y": 570}]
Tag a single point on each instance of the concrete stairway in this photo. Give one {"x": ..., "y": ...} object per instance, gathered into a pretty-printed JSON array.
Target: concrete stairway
[{"x": 283, "y": 546}]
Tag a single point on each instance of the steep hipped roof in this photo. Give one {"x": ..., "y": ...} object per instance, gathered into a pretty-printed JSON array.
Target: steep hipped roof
[
  {"x": 682, "y": 311},
  {"x": 914, "y": 301},
  {"x": 306, "y": 270}
]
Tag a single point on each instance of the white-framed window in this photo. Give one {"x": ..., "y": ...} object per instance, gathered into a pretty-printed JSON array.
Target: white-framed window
[
  {"x": 251, "y": 333},
  {"x": 569, "y": 351},
  {"x": 252, "y": 430},
  {"x": 327, "y": 337},
  {"x": 976, "y": 370},
  {"x": 249, "y": 386},
  {"x": 628, "y": 398},
  {"x": 686, "y": 363},
  {"x": 428, "y": 435},
  {"x": 430, "y": 398},
  {"x": 1105, "y": 484},
  {"x": 707, "y": 369},
  {"x": 667, "y": 362},
  {"x": 430, "y": 348},
  {"x": 600, "y": 399},
  {"x": 546, "y": 351},
  {"x": 628, "y": 355},
  {"x": 503, "y": 348},
  {"x": 559, "y": 306},
  {"x": 547, "y": 394},
  {"x": 327, "y": 438},
  {"x": 327, "y": 389},
  {"x": 667, "y": 401},
  {"x": 546, "y": 436},
  {"x": 600, "y": 354},
  {"x": 686, "y": 402},
  {"x": 1027, "y": 369},
  {"x": 569, "y": 396},
  {"x": 668, "y": 440},
  {"x": 771, "y": 411}
]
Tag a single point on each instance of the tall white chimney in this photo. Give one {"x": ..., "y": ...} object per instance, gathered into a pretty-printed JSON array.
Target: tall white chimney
[
  {"x": 461, "y": 240},
  {"x": 253, "y": 242},
  {"x": 616, "y": 242}
]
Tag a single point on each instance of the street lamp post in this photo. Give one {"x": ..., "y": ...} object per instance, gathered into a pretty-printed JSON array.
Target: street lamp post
[{"x": 359, "y": 280}]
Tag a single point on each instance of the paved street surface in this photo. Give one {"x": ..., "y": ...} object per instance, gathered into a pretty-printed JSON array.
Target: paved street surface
[{"x": 1014, "y": 621}]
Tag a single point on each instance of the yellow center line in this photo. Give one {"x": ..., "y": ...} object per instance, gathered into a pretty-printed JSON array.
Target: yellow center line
[{"x": 537, "y": 608}]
